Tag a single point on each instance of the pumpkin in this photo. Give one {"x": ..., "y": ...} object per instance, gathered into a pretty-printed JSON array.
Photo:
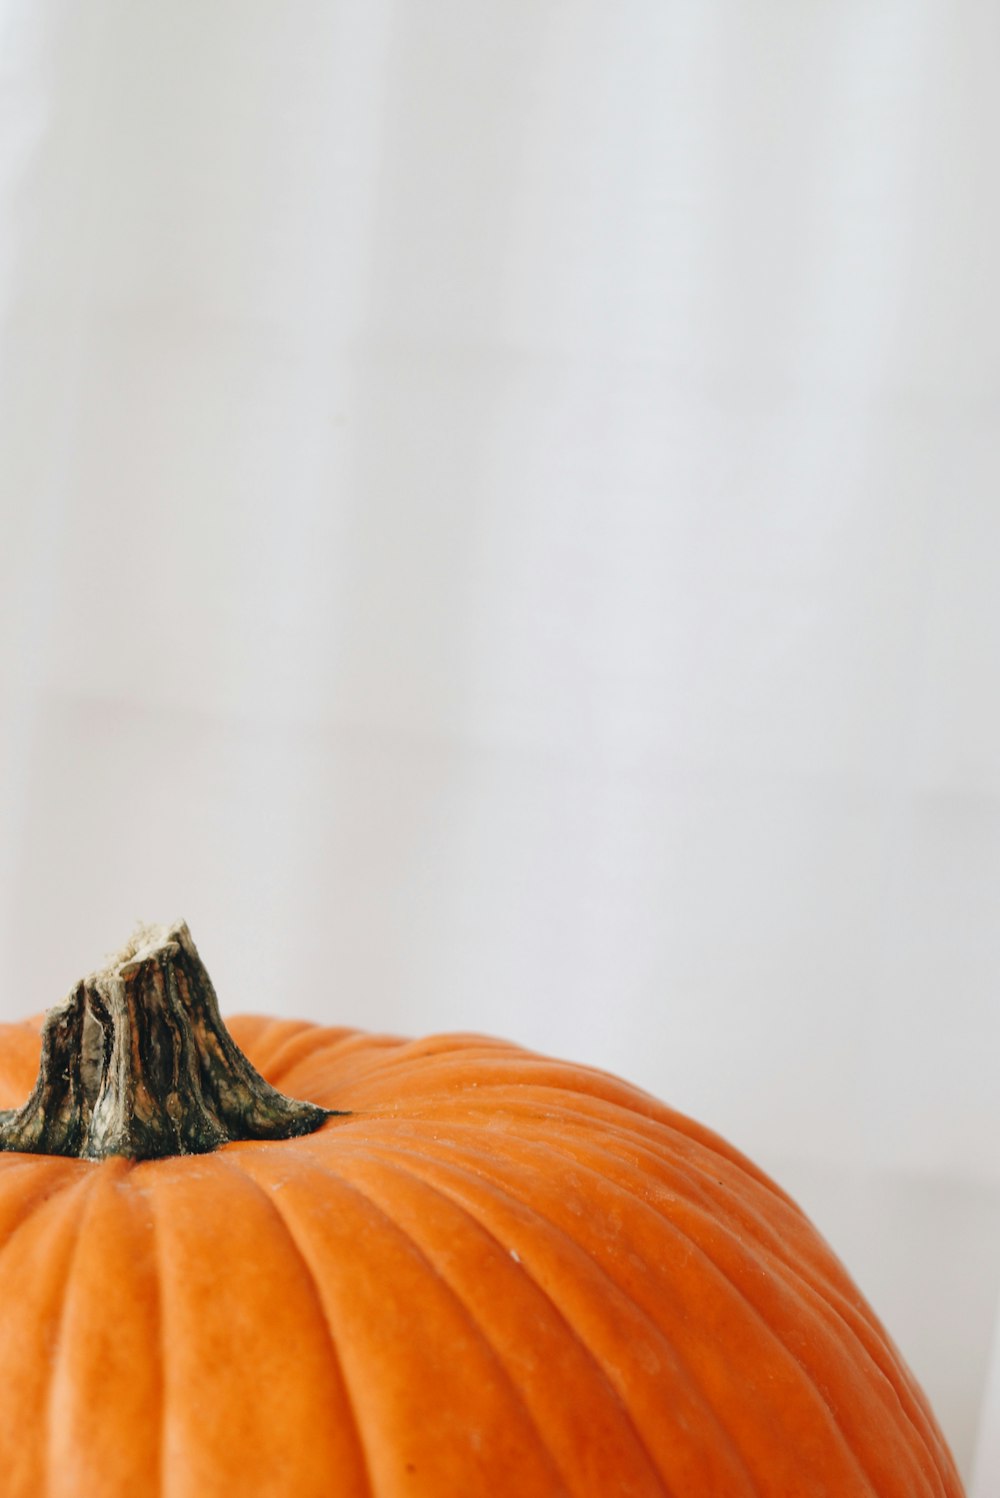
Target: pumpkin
[{"x": 485, "y": 1273}]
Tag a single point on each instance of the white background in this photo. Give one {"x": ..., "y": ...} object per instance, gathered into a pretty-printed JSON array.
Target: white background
[{"x": 501, "y": 530}]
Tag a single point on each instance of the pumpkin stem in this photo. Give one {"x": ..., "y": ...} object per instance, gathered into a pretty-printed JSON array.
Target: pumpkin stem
[{"x": 137, "y": 1062}]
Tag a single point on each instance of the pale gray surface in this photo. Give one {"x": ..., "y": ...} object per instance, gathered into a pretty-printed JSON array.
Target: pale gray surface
[{"x": 500, "y": 531}]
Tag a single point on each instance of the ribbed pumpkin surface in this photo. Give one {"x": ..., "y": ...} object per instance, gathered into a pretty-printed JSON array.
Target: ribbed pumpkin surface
[{"x": 500, "y": 1274}]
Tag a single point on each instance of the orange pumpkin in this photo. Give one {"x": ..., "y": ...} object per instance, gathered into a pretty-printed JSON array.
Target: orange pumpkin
[{"x": 493, "y": 1274}]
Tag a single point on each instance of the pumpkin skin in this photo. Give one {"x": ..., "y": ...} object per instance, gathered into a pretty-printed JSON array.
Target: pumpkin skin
[{"x": 498, "y": 1274}]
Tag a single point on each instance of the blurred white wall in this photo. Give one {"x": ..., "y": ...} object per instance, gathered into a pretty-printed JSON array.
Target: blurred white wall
[{"x": 501, "y": 531}]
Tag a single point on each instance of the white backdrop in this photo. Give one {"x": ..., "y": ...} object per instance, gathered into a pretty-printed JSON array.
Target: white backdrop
[{"x": 501, "y": 531}]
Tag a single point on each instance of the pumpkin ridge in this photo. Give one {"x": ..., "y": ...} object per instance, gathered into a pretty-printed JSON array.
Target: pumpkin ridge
[
  {"x": 81, "y": 1187},
  {"x": 152, "y": 1204},
  {"x": 807, "y": 1369},
  {"x": 231, "y": 1162},
  {"x": 589, "y": 1107},
  {"x": 825, "y": 1286},
  {"x": 676, "y": 1168},
  {"x": 834, "y": 1320},
  {"x": 277, "y": 1063},
  {"x": 554, "y": 1089},
  {"x": 347, "y": 1048},
  {"x": 388, "y": 1161},
  {"x": 796, "y": 1284},
  {"x": 161, "y": 1472},
  {"x": 890, "y": 1372},
  {"x": 235, "y": 1422},
  {"x": 756, "y": 1314},
  {"x": 871, "y": 1341},
  {"x": 475, "y": 1326},
  {"x": 450, "y": 1168},
  {"x": 49, "y": 1464},
  {"x": 350, "y": 1395},
  {"x": 66, "y": 1178},
  {"x": 820, "y": 1406}
]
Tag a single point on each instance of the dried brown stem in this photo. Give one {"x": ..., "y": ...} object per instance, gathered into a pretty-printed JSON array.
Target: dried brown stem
[{"x": 137, "y": 1062}]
